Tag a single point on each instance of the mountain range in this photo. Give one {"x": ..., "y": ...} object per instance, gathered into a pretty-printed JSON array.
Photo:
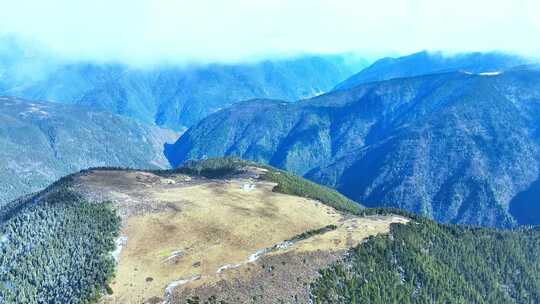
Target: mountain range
[
  {"x": 423, "y": 63},
  {"x": 168, "y": 95},
  {"x": 458, "y": 146},
  {"x": 455, "y": 139},
  {"x": 43, "y": 141}
]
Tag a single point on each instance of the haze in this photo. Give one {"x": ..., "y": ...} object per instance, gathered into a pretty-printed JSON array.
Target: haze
[{"x": 147, "y": 31}]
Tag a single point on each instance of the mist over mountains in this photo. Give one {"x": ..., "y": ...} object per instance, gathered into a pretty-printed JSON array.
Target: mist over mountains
[
  {"x": 113, "y": 114},
  {"x": 167, "y": 95}
]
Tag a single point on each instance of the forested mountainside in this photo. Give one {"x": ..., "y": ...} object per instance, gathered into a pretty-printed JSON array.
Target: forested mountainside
[
  {"x": 167, "y": 95},
  {"x": 426, "y": 262},
  {"x": 43, "y": 141},
  {"x": 141, "y": 243},
  {"x": 457, "y": 147},
  {"x": 424, "y": 63}
]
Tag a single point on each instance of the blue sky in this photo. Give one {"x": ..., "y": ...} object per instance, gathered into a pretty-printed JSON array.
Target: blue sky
[{"x": 149, "y": 31}]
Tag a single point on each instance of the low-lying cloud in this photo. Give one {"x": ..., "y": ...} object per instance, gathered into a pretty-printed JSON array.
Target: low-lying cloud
[{"x": 151, "y": 31}]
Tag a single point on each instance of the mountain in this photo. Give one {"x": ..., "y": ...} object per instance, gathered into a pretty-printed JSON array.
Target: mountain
[
  {"x": 457, "y": 147},
  {"x": 167, "y": 95},
  {"x": 424, "y": 63},
  {"x": 129, "y": 236},
  {"x": 43, "y": 141}
]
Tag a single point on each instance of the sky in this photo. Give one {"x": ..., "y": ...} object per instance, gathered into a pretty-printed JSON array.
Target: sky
[{"x": 152, "y": 31}]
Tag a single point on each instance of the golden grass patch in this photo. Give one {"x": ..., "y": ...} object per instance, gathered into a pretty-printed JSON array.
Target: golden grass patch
[{"x": 215, "y": 224}]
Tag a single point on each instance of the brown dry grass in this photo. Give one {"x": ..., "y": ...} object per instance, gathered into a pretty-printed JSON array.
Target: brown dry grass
[{"x": 214, "y": 223}]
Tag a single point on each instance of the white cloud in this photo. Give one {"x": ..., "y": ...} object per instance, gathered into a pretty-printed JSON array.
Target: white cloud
[{"x": 140, "y": 31}]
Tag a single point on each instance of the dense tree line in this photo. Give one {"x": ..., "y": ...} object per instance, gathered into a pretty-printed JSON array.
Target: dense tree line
[
  {"x": 294, "y": 185},
  {"x": 57, "y": 251},
  {"x": 426, "y": 262},
  {"x": 212, "y": 167}
]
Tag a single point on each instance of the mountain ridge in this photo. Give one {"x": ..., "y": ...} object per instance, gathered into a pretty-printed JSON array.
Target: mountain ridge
[
  {"x": 141, "y": 243},
  {"x": 169, "y": 96},
  {"x": 43, "y": 141},
  {"x": 383, "y": 124},
  {"x": 424, "y": 63}
]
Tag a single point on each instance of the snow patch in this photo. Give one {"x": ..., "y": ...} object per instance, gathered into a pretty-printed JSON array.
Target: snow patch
[
  {"x": 228, "y": 266},
  {"x": 490, "y": 73},
  {"x": 255, "y": 256},
  {"x": 35, "y": 109},
  {"x": 494, "y": 73},
  {"x": 169, "y": 289},
  {"x": 174, "y": 254},
  {"x": 167, "y": 181},
  {"x": 120, "y": 244},
  {"x": 248, "y": 187},
  {"x": 3, "y": 239}
]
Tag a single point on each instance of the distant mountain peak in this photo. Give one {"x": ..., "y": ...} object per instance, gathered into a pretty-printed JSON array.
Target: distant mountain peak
[
  {"x": 425, "y": 62},
  {"x": 170, "y": 96}
]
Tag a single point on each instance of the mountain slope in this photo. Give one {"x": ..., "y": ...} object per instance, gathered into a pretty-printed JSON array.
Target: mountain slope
[
  {"x": 43, "y": 141},
  {"x": 424, "y": 63},
  {"x": 258, "y": 245},
  {"x": 426, "y": 262},
  {"x": 457, "y": 147},
  {"x": 167, "y": 95}
]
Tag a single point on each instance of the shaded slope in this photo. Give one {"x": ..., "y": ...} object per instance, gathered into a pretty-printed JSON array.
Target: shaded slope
[
  {"x": 425, "y": 262},
  {"x": 453, "y": 146},
  {"x": 43, "y": 141}
]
